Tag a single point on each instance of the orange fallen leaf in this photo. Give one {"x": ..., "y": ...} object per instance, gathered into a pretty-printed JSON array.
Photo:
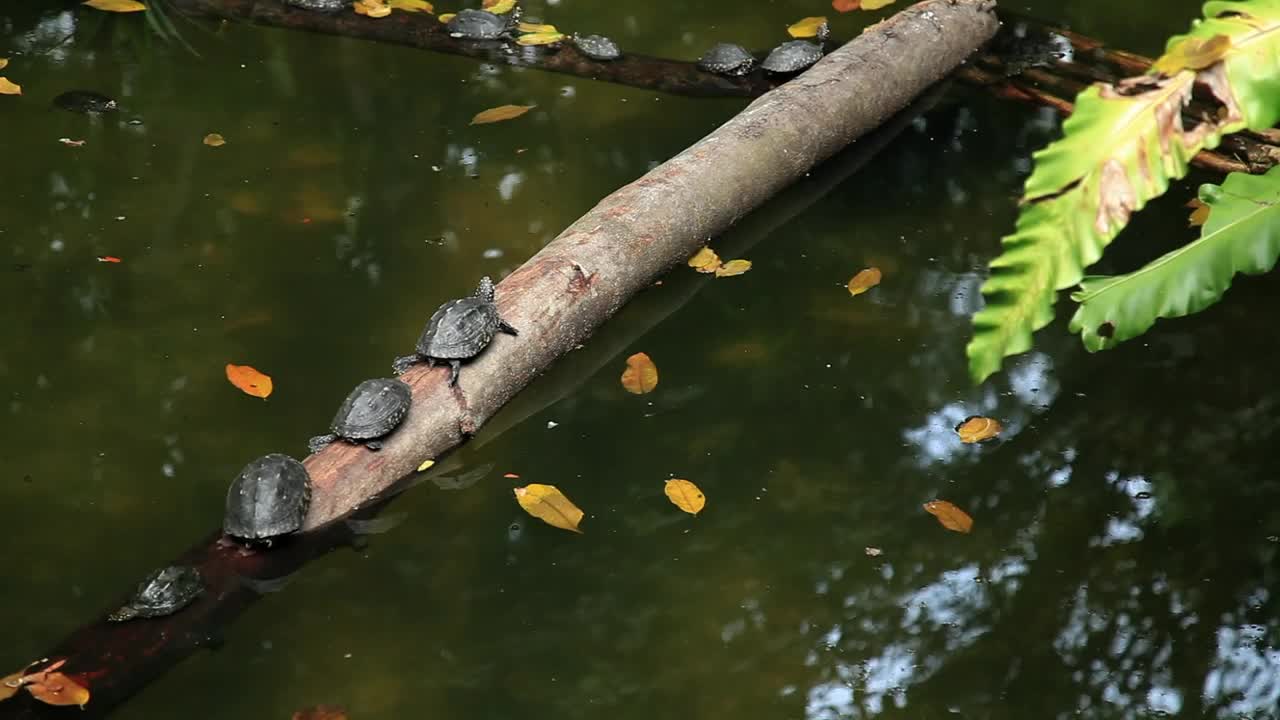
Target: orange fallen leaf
[
  {"x": 864, "y": 281},
  {"x": 641, "y": 375},
  {"x": 9, "y": 685},
  {"x": 549, "y": 505},
  {"x": 108, "y": 259},
  {"x": 249, "y": 380},
  {"x": 321, "y": 712},
  {"x": 705, "y": 261},
  {"x": 949, "y": 516},
  {"x": 1199, "y": 212},
  {"x": 500, "y": 113},
  {"x": 733, "y": 267},
  {"x": 8, "y": 88},
  {"x": 685, "y": 495},
  {"x": 510, "y": 476},
  {"x": 975, "y": 429},
  {"x": 214, "y": 140},
  {"x": 844, "y": 6}
]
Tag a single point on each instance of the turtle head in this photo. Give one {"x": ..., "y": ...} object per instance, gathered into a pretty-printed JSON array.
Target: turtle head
[{"x": 485, "y": 290}]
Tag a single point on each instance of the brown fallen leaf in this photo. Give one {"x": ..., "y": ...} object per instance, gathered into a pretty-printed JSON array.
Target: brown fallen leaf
[
  {"x": 864, "y": 281},
  {"x": 975, "y": 429},
  {"x": 685, "y": 495},
  {"x": 950, "y": 516},
  {"x": 120, "y": 6},
  {"x": 10, "y": 685},
  {"x": 249, "y": 380},
  {"x": 705, "y": 261},
  {"x": 641, "y": 375},
  {"x": 54, "y": 688},
  {"x": 500, "y": 113},
  {"x": 549, "y": 505},
  {"x": 321, "y": 712},
  {"x": 8, "y": 88},
  {"x": 214, "y": 140},
  {"x": 733, "y": 267},
  {"x": 808, "y": 27}
]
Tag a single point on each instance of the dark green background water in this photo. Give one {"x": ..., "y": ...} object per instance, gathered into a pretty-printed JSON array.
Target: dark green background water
[{"x": 1124, "y": 558}]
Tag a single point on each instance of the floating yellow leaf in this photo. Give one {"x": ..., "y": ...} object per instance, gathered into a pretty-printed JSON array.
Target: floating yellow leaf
[
  {"x": 411, "y": 5},
  {"x": 116, "y": 5},
  {"x": 4, "y": 62},
  {"x": 499, "y": 7},
  {"x": 54, "y": 688},
  {"x": 641, "y": 375},
  {"x": 876, "y": 4},
  {"x": 705, "y": 261},
  {"x": 685, "y": 495},
  {"x": 1193, "y": 54},
  {"x": 214, "y": 140},
  {"x": 525, "y": 27},
  {"x": 371, "y": 8},
  {"x": 446, "y": 17},
  {"x": 8, "y": 88},
  {"x": 950, "y": 516},
  {"x": 976, "y": 428},
  {"x": 249, "y": 380},
  {"x": 426, "y": 464},
  {"x": 549, "y": 505},
  {"x": 540, "y": 38},
  {"x": 864, "y": 281},
  {"x": 500, "y": 113},
  {"x": 808, "y": 27},
  {"x": 733, "y": 267}
]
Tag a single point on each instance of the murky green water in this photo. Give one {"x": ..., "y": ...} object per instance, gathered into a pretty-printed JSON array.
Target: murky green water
[{"x": 1124, "y": 558}]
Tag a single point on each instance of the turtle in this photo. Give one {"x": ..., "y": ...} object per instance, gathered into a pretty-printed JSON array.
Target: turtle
[
  {"x": 727, "y": 59},
  {"x": 324, "y": 6},
  {"x": 458, "y": 330},
  {"x": 372, "y": 410},
  {"x": 163, "y": 592},
  {"x": 478, "y": 25},
  {"x": 793, "y": 56},
  {"x": 85, "y": 101},
  {"x": 597, "y": 47},
  {"x": 267, "y": 499}
]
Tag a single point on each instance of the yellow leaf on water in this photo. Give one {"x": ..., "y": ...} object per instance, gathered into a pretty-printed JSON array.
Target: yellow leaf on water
[
  {"x": 8, "y": 88},
  {"x": 685, "y": 495},
  {"x": 808, "y": 27},
  {"x": 116, "y": 5},
  {"x": 549, "y": 505},
  {"x": 976, "y": 428},
  {"x": 446, "y": 17},
  {"x": 411, "y": 5},
  {"x": 499, "y": 7},
  {"x": 733, "y": 267},
  {"x": 426, "y": 464},
  {"x": 641, "y": 375},
  {"x": 525, "y": 27},
  {"x": 705, "y": 261},
  {"x": 864, "y": 281},
  {"x": 500, "y": 113},
  {"x": 214, "y": 140},
  {"x": 249, "y": 380},
  {"x": 371, "y": 8},
  {"x": 4, "y": 62},
  {"x": 876, "y": 4},
  {"x": 950, "y": 516},
  {"x": 54, "y": 688},
  {"x": 540, "y": 38}
]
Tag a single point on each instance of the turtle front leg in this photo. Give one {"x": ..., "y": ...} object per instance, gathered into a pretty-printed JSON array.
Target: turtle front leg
[
  {"x": 505, "y": 327},
  {"x": 318, "y": 443},
  {"x": 454, "y": 367},
  {"x": 404, "y": 363},
  {"x": 374, "y": 445}
]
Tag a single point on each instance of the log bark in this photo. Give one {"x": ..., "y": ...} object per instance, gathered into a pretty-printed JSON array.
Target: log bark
[{"x": 557, "y": 299}]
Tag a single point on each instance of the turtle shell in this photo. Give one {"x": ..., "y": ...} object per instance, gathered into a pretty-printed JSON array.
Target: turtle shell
[
  {"x": 268, "y": 498},
  {"x": 163, "y": 592},
  {"x": 462, "y": 328},
  {"x": 727, "y": 59},
  {"x": 373, "y": 409},
  {"x": 85, "y": 101},
  {"x": 597, "y": 47},
  {"x": 326, "y": 6},
  {"x": 477, "y": 25},
  {"x": 792, "y": 56}
]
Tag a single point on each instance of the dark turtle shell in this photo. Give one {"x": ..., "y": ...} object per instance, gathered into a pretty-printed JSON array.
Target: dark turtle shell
[
  {"x": 163, "y": 592},
  {"x": 477, "y": 25},
  {"x": 85, "y": 101},
  {"x": 792, "y": 56},
  {"x": 597, "y": 47},
  {"x": 458, "y": 330},
  {"x": 373, "y": 409},
  {"x": 727, "y": 59},
  {"x": 326, "y": 6},
  {"x": 269, "y": 497}
]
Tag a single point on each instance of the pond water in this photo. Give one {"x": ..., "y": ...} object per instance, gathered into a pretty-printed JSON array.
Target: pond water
[{"x": 1124, "y": 560}]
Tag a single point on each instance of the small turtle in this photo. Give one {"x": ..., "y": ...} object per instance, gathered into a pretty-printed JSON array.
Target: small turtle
[
  {"x": 164, "y": 592},
  {"x": 85, "y": 101},
  {"x": 478, "y": 25},
  {"x": 324, "y": 6},
  {"x": 597, "y": 47},
  {"x": 458, "y": 330},
  {"x": 727, "y": 59},
  {"x": 792, "y": 57},
  {"x": 371, "y": 411},
  {"x": 267, "y": 499}
]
